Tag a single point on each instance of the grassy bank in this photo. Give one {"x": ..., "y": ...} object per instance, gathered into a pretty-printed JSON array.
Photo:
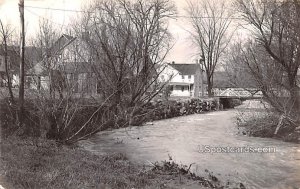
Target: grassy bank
[
  {"x": 38, "y": 163},
  {"x": 268, "y": 124}
]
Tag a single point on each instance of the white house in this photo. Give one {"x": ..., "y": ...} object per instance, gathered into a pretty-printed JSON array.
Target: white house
[{"x": 180, "y": 78}]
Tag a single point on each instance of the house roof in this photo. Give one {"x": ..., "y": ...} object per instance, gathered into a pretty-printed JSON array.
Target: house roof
[
  {"x": 68, "y": 37},
  {"x": 185, "y": 69},
  {"x": 60, "y": 44},
  {"x": 32, "y": 57},
  {"x": 221, "y": 78}
]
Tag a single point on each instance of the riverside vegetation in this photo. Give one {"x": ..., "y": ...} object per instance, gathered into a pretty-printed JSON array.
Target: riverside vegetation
[
  {"x": 31, "y": 161},
  {"x": 263, "y": 121}
]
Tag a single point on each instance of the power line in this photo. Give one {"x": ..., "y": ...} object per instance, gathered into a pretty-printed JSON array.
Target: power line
[
  {"x": 44, "y": 17},
  {"x": 58, "y": 9},
  {"x": 177, "y": 16},
  {"x": 229, "y": 18}
]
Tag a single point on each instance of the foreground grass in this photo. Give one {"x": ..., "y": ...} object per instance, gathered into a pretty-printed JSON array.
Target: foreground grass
[{"x": 37, "y": 163}]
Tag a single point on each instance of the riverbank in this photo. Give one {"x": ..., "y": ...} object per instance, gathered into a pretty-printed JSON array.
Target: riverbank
[
  {"x": 184, "y": 138},
  {"x": 39, "y": 163},
  {"x": 257, "y": 119},
  {"x": 67, "y": 121}
]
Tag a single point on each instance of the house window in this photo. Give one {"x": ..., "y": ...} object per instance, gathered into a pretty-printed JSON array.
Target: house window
[
  {"x": 190, "y": 76},
  {"x": 182, "y": 88},
  {"x": 182, "y": 76}
]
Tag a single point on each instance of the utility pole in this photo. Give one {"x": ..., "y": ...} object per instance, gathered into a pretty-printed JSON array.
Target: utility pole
[{"x": 22, "y": 63}]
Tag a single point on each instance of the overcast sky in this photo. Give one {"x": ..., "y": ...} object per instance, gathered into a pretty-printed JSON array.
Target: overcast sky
[{"x": 182, "y": 52}]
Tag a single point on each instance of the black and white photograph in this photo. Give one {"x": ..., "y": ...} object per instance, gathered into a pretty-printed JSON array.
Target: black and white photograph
[{"x": 150, "y": 94}]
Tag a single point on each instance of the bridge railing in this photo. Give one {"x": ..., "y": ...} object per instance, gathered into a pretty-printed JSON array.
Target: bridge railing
[{"x": 238, "y": 92}]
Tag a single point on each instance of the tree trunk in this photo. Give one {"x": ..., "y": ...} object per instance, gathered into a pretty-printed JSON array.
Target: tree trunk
[
  {"x": 50, "y": 85},
  {"x": 295, "y": 102},
  {"x": 197, "y": 81},
  {"x": 9, "y": 85},
  {"x": 209, "y": 86}
]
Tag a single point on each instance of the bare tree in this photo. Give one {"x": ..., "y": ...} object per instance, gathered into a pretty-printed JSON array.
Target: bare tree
[
  {"x": 276, "y": 28},
  {"x": 122, "y": 43},
  {"x": 45, "y": 41},
  {"x": 128, "y": 40},
  {"x": 237, "y": 71},
  {"x": 6, "y": 33},
  {"x": 210, "y": 21}
]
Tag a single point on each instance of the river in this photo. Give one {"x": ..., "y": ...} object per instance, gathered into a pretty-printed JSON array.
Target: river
[{"x": 183, "y": 138}]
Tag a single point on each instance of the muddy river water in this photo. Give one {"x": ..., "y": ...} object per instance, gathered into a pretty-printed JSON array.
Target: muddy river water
[{"x": 210, "y": 141}]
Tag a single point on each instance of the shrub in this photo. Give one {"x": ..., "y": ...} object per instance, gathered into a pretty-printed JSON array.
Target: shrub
[
  {"x": 9, "y": 119},
  {"x": 70, "y": 120},
  {"x": 266, "y": 125}
]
